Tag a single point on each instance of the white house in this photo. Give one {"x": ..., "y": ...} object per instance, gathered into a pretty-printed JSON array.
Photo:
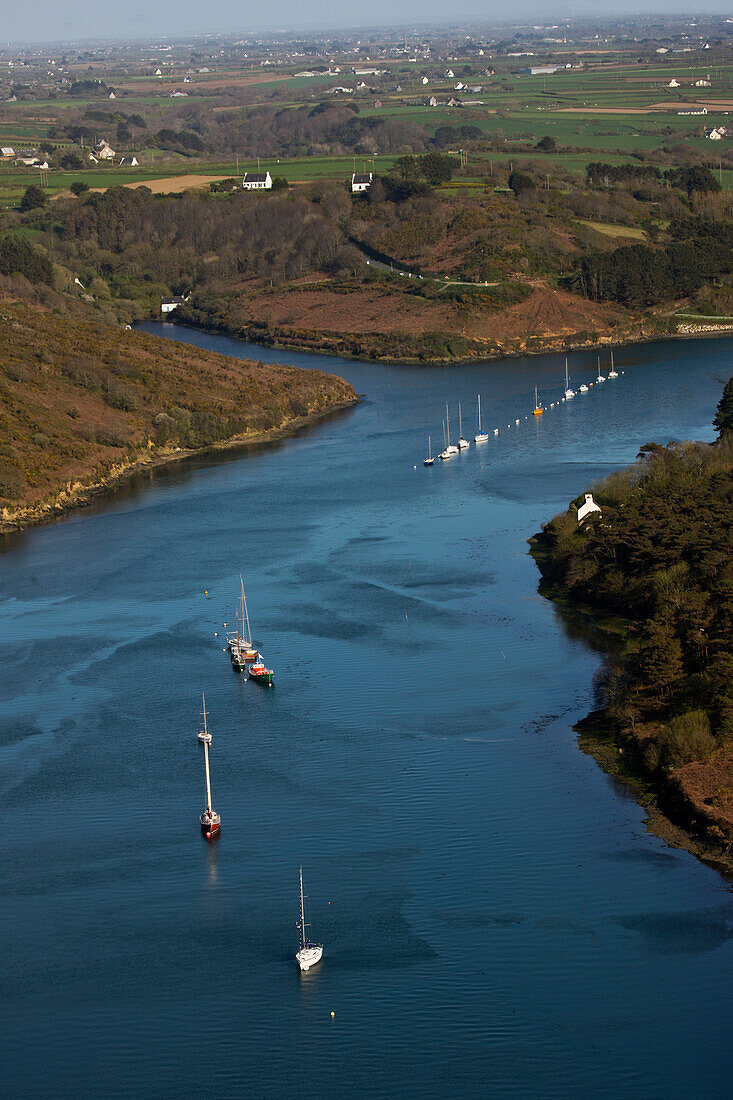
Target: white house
[
  {"x": 104, "y": 151},
  {"x": 703, "y": 84},
  {"x": 673, "y": 83},
  {"x": 257, "y": 181},
  {"x": 361, "y": 181},
  {"x": 111, "y": 96},
  {"x": 432, "y": 102},
  {"x": 424, "y": 80},
  {"x": 449, "y": 74},
  {"x": 588, "y": 509},
  {"x": 716, "y": 135},
  {"x": 167, "y": 305},
  {"x": 7, "y": 151}
]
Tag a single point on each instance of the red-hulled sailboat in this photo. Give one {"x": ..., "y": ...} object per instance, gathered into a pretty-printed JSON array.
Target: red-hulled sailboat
[{"x": 210, "y": 819}]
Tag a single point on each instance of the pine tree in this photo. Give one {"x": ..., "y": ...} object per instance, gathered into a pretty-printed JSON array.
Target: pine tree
[{"x": 724, "y": 416}]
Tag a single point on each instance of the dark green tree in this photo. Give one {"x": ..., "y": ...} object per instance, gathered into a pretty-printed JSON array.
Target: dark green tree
[
  {"x": 33, "y": 198},
  {"x": 724, "y": 415},
  {"x": 521, "y": 182},
  {"x": 78, "y": 187}
]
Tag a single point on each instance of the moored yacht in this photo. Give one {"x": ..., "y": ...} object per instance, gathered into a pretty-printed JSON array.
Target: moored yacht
[
  {"x": 210, "y": 819},
  {"x": 481, "y": 436},
  {"x": 537, "y": 407},
  {"x": 612, "y": 373},
  {"x": 568, "y": 392},
  {"x": 308, "y": 953},
  {"x": 449, "y": 449},
  {"x": 462, "y": 443}
]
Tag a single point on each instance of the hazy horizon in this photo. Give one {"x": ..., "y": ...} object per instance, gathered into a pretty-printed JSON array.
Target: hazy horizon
[{"x": 137, "y": 20}]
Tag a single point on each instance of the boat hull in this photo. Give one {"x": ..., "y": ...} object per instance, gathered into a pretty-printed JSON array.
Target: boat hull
[
  {"x": 265, "y": 677},
  {"x": 210, "y": 825},
  {"x": 309, "y": 955}
]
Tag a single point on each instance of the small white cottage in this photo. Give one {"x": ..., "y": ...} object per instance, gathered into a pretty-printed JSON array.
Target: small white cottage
[{"x": 589, "y": 508}]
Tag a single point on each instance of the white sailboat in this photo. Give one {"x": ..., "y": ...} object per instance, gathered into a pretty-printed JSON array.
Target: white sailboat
[
  {"x": 450, "y": 449},
  {"x": 582, "y": 388},
  {"x": 429, "y": 460},
  {"x": 612, "y": 373},
  {"x": 600, "y": 377},
  {"x": 462, "y": 443},
  {"x": 204, "y": 735},
  {"x": 210, "y": 819},
  {"x": 241, "y": 649},
  {"x": 308, "y": 953},
  {"x": 481, "y": 436},
  {"x": 568, "y": 392}
]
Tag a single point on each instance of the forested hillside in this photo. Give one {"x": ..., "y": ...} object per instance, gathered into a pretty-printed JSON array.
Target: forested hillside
[
  {"x": 81, "y": 403},
  {"x": 660, "y": 557}
]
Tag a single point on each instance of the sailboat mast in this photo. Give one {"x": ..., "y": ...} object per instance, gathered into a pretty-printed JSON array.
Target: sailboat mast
[
  {"x": 245, "y": 612},
  {"x": 430, "y": 449},
  {"x": 479, "y": 412},
  {"x": 447, "y": 420},
  {"x": 460, "y": 421},
  {"x": 203, "y": 700},
  {"x": 567, "y": 387},
  {"x": 208, "y": 777},
  {"x": 302, "y": 912}
]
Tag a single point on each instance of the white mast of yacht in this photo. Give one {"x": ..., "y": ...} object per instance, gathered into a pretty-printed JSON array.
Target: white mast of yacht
[{"x": 481, "y": 436}]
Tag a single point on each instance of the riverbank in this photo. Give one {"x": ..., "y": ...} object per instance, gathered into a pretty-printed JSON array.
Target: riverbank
[
  {"x": 442, "y": 348},
  {"x": 85, "y": 406},
  {"x": 81, "y": 494}
]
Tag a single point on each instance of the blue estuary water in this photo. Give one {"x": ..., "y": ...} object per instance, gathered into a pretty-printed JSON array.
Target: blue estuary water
[{"x": 497, "y": 921}]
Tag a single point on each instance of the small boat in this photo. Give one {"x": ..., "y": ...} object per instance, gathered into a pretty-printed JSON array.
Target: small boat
[
  {"x": 582, "y": 388},
  {"x": 537, "y": 407},
  {"x": 308, "y": 953},
  {"x": 481, "y": 436},
  {"x": 600, "y": 377},
  {"x": 210, "y": 819},
  {"x": 462, "y": 443},
  {"x": 260, "y": 674},
  {"x": 612, "y": 373},
  {"x": 496, "y": 431},
  {"x": 568, "y": 392},
  {"x": 449, "y": 449},
  {"x": 204, "y": 735},
  {"x": 429, "y": 460}
]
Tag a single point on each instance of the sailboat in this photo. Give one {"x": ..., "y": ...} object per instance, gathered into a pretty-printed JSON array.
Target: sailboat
[
  {"x": 481, "y": 436},
  {"x": 204, "y": 735},
  {"x": 210, "y": 819},
  {"x": 260, "y": 673},
  {"x": 450, "y": 449},
  {"x": 429, "y": 460},
  {"x": 241, "y": 649},
  {"x": 462, "y": 443},
  {"x": 308, "y": 953},
  {"x": 537, "y": 407},
  {"x": 582, "y": 388},
  {"x": 600, "y": 377},
  {"x": 568, "y": 392},
  {"x": 612, "y": 373}
]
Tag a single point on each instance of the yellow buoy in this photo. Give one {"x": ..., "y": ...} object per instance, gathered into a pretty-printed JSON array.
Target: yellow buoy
[{"x": 333, "y": 1014}]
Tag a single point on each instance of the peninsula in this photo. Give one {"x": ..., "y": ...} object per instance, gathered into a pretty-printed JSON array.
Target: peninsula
[{"x": 651, "y": 566}]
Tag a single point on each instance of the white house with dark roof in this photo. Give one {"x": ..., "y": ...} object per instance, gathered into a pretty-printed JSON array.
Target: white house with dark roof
[
  {"x": 589, "y": 508},
  {"x": 257, "y": 181},
  {"x": 167, "y": 305},
  {"x": 361, "y": 181}
]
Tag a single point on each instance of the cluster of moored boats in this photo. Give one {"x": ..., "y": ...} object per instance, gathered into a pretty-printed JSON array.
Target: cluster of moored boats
[
  {"x": 245, "y": 657},
  {"x": 450, "y": 449}
]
